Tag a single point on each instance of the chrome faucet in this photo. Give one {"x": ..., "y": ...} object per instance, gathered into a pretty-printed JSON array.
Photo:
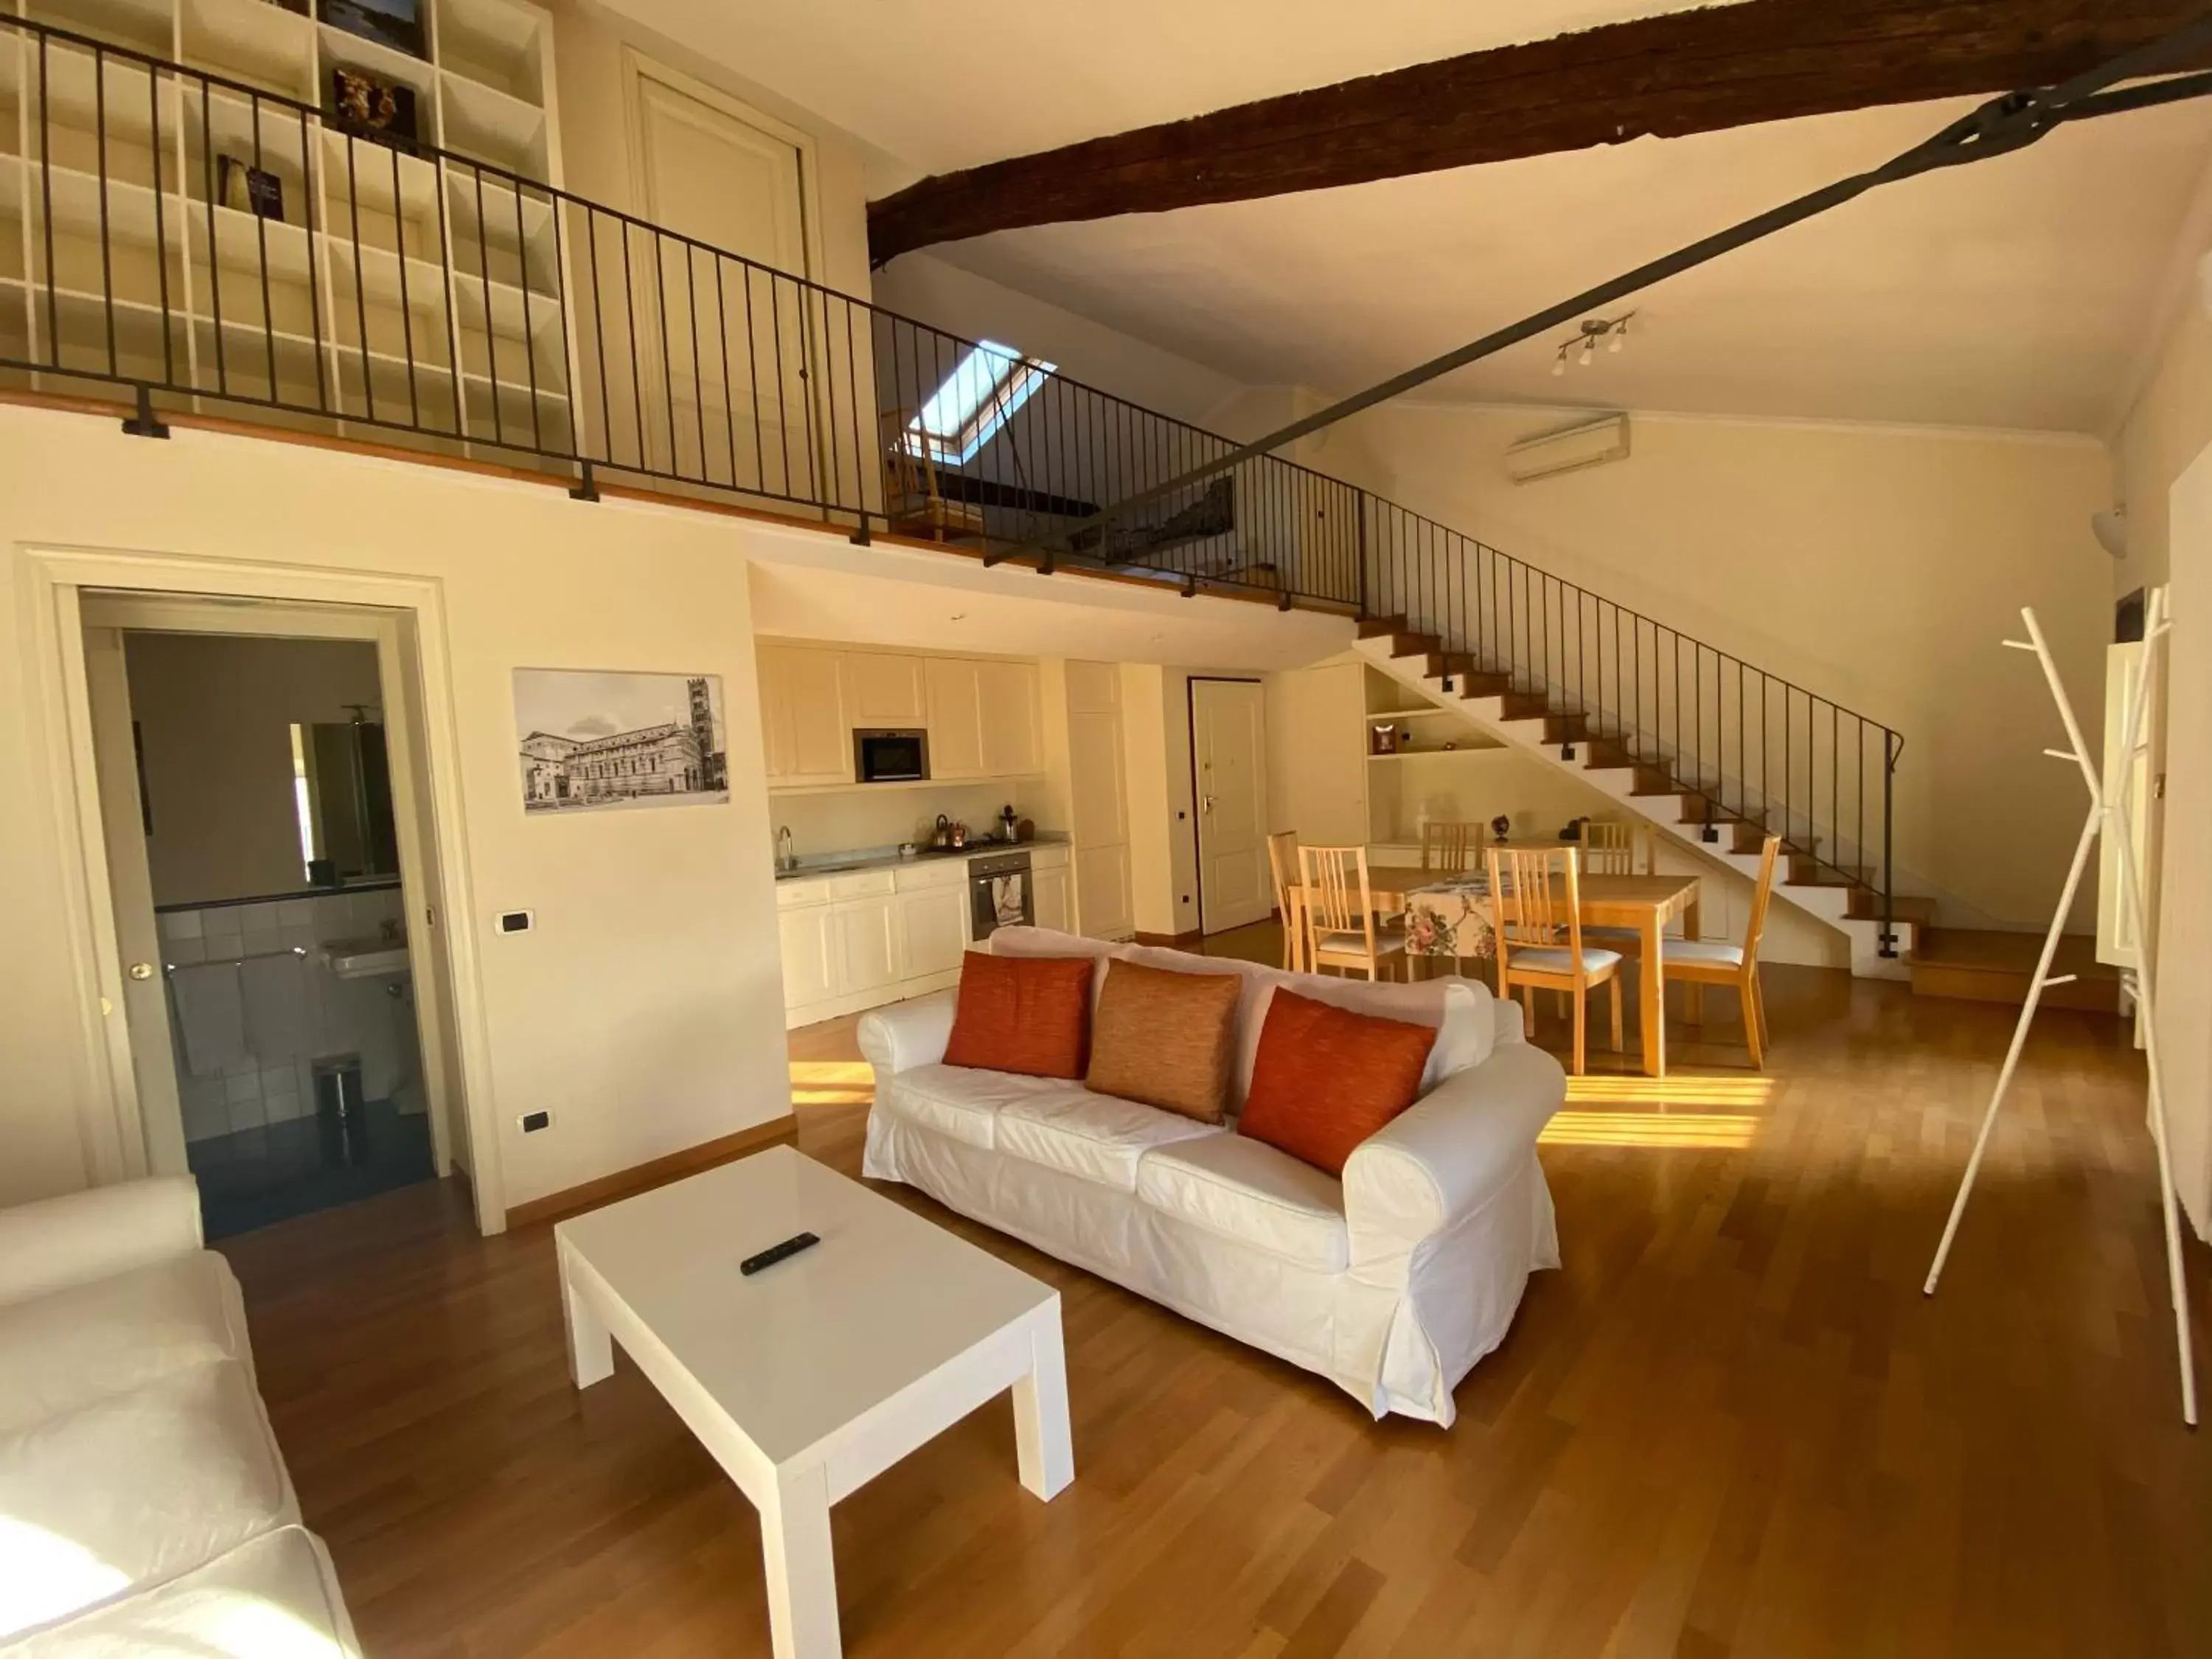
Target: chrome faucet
[{"x": 785, "y": 859}]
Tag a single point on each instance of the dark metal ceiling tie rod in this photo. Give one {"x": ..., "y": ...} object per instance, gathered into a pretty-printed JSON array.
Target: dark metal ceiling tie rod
[{"x": 1999, "y": 127}]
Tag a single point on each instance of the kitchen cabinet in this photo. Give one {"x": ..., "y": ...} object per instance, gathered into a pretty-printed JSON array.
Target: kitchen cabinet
[
  {"x": 933, "y": 923},
  {"x": 807, "y": 738},
  {"x": 882, "y": 689},
  {"x": 810, "y": 955},
  {"x": 868, "y": 944},
  {"x": 981, "y": 716},
  {"x": 1101, "y": 891},
  {"x": 870, "y": 937},
  {"x": 1012, "y": 745},
  {"x": 956, "y": 717},
  {"x": 1050, "y": 891}
]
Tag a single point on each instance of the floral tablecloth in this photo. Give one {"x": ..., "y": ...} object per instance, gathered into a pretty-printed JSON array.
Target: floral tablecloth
[{"x": 1452, "y": 918}]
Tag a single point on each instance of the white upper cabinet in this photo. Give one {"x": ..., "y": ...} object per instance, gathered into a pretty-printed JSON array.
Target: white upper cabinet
[
  {"x": 883, "y": 690},
  {"x": 981, "y": 716},
  {"x": 804, "y": 730},
  {"x": 956, "y": 718},
  {"x": 1011, "y": 743}
]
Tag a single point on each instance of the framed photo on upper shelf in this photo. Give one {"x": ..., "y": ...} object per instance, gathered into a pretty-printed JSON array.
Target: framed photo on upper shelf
[{"x": 394, "y": 24}]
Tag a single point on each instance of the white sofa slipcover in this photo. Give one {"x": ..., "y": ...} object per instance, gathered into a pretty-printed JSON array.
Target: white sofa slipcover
[
  {"x": 143, "y": 1505},
  {"x": 1392, "y": 1282}
]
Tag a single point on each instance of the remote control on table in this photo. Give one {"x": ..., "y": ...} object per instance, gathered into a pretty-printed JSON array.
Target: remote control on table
[{"x": 775, "y": 1253}]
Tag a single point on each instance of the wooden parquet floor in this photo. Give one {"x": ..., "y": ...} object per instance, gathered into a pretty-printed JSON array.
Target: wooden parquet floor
[{"x": 1730, "y": 1425}]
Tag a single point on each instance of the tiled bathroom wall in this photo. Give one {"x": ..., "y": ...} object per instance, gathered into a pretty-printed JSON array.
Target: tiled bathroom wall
[{"x": 353, "y": 1016}]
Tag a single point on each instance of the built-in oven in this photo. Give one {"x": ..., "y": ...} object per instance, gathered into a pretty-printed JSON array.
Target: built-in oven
[
  {"x": 998, "y": 893},
  {"x": 883, "y": 756}
]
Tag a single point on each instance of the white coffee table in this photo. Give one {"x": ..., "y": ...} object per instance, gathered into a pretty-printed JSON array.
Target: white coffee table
[{"x": 811, "y": 1377}]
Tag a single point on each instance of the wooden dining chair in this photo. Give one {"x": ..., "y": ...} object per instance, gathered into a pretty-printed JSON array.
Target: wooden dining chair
[
  {"x": 1446, "y": 846},
  {"x": 1612, "y": 848},
  {"x": 1698, "y": 962},
  {"x": 1535, "y": 898},
  {"x": 1283, "y": 866},
  {"x": 1339, "y": 902}
]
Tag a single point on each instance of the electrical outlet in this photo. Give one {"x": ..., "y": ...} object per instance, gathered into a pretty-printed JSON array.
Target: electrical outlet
[{"x": 533, "y": 1122}]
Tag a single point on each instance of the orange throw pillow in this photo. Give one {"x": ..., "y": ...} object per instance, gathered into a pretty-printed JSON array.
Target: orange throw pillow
[
  {"x": 1326, "y": 1078},
  {"x": 1027, "y": 1014},
  {"x": 1165, "y": 1039}
]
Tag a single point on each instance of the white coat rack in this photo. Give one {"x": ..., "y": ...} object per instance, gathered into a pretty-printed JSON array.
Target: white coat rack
[{"x": 2113, "y": 819}]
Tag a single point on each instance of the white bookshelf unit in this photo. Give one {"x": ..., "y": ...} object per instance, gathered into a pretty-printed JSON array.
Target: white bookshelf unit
[{"x": 407, "y": 288}]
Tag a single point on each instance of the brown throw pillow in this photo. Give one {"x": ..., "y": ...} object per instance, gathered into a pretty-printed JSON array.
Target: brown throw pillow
[
  {"x": 1326, "y": 1078},
  {"x": 1027, "y": 1014},
  {"x": 1165, "y": 1039}
]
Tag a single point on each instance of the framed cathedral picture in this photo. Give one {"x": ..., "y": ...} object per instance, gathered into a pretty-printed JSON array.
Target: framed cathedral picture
[{"x": 588, "y": 740}]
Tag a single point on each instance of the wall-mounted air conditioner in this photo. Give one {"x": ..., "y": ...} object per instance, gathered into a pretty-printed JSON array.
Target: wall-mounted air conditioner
[{"x": 1593, "y": 443}]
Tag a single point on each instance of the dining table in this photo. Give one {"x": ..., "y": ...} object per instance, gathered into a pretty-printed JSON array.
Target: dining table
[{"x": 1447, "y": 914}]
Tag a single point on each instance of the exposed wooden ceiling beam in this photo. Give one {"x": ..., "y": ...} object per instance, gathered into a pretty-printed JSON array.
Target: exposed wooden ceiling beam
[{"x": 1678, "y": 73}]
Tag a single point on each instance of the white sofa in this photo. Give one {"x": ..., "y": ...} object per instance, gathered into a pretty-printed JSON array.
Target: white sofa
[
  {"x": 1391, "y": 1283},
  {"x": 143, "y": 1506}
]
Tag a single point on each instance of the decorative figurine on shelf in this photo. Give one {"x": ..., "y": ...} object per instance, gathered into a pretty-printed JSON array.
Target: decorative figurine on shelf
[
  {"x": 1500, "y": 827},
  {"x": 1383, "y": 740},
  {"x": 369, "y": 107},
  {"x": 1573, "y": 830}
]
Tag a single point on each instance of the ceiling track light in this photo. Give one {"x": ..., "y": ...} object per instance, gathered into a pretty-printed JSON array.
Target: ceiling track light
[{"x": 1614, "y": 330}]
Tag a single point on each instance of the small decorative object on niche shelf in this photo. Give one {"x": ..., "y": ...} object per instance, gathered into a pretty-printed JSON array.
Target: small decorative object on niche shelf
[
  {"x": 250, "y": 188},
  {"x": 1383, "y": 740},
  {"x": 372, "y": 108},
  {"x": 1500, "y": 827},
  {"x": 1573, "y": 830}
]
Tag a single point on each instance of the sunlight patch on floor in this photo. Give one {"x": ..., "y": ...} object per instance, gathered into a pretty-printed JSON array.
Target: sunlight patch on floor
[
  {"x": 832, "y": 1083},
  {"x": 1721, "y": 1131},
  {"x": 1737, "y": 1093}
]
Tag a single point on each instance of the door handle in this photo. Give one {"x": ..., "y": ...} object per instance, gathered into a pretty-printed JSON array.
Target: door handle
[{"x": 141, "y": 970}]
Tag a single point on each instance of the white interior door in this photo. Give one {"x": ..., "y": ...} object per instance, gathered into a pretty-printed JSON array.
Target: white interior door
[
  {"x": 732, "y": 394},
  {"x": 130, "y": 882},
  {"x": 122, "y": 821},
  {"x": 1229, "y": 736}
]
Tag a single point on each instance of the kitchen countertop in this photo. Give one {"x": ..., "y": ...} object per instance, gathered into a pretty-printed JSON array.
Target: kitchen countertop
[{"x": 889, "y": 858}]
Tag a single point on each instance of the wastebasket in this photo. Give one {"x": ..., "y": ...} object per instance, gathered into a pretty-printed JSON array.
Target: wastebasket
[{"x": 339, "y": 1109}]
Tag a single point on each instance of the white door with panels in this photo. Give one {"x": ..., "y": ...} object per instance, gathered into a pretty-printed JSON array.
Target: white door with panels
[
  {"x": 1229, "y": 733},
  {"x": 730, "y": 178}
]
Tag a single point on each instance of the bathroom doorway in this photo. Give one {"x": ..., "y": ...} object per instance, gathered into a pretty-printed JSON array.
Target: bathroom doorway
[{"x": 254, "y": 815}]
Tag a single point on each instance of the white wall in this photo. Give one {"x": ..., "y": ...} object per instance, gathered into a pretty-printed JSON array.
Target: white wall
[
  {"x": 2183, "y": 981},
  {"x": 1878, "y": 566},
  {"x": 645, "y": 1009},
  {"x": 214, "y": 714}
]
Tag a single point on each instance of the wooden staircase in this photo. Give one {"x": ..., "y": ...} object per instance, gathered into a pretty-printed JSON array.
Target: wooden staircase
[
  {"x": 1976, "y": 965},
  {"x": 1846, "y": 898}
]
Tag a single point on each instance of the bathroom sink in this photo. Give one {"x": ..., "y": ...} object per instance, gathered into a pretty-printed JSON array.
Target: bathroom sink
[{"x": 366, "y": 958}]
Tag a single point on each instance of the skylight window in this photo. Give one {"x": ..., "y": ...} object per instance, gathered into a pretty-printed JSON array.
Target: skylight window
[{"x": 980, "y": 396}]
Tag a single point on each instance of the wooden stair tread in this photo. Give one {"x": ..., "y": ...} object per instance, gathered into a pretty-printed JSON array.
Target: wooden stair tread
[{"x": 1973, "y": 964}]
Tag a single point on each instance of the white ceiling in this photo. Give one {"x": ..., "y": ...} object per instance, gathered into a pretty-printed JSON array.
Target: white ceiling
[{"x": 2018, "y": 293}]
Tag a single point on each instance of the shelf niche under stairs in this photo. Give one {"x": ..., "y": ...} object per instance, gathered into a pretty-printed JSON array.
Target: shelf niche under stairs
[{"x": 1524, "y": 720}]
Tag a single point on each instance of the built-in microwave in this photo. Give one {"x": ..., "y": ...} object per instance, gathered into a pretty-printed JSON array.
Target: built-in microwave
[{"x": 890, "y": 756}]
